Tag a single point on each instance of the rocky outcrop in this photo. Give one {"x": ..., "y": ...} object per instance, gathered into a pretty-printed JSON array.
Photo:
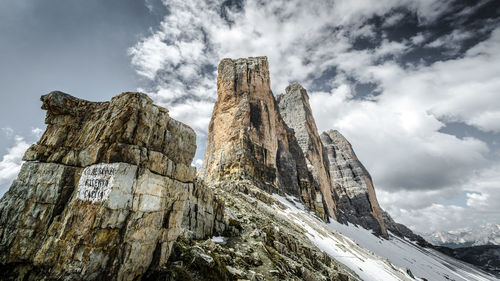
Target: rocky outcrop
[
  {"x": 353, "y": 183},
  {"x": 203, "y": 214},
  {"x": 102, "y": 194},
  {"x": 402, "y": 230},
  {"x": 268, "y": 245},
  {"x": 296, "y": 112},
  {"x": 248, "y": 139}
]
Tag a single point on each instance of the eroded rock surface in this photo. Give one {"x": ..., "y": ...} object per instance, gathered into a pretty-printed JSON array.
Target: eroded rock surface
[
  {"x": 296, "y": 112},
  {"x": 248, "y": 139},
  {"x": 353, "y": 183},
  {"x": 109, "y": 193},
  {"x": 402, "y": 230},
  {"x": 103, "y": 194},
  {"x": 267, "y": 245}
]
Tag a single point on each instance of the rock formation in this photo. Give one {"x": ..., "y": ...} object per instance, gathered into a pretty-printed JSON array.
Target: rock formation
[
  {"x": 402, "y": 231},
  {"x": 102, "y": 194},
  {"x": 109, "y": 193},
  {"x": 248, "y": 139},
  {"x": 353, "y": 183},
  {"x": 334, "y": 166},
  {"x": 296, "y": 112}
]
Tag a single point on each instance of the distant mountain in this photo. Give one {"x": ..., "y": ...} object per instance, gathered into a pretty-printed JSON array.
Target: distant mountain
[
  {"x": 487, "y": 257},
  {"x": 488, "y": 234}
]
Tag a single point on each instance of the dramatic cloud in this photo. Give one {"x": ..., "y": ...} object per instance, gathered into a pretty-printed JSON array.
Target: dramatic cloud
[
  {"x": 11, "y": 163},
  {"x": 389, "y": 76}
]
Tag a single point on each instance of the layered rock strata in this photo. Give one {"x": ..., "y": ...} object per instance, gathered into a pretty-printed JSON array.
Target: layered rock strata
[
  {"x": 296, "y": 112},
  {"x": 103, "y": 194},
  {"x": 248, "y": 139},
  {"x": 353, "y": 183}
]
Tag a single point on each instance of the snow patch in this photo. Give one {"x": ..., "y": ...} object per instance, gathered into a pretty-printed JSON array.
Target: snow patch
[
  {"x": 219, "y": 240},
  {"x": 374, "y": 258}
]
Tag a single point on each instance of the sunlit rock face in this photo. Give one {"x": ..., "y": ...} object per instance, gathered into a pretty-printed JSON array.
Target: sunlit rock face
[
  {"x": 102, "y": 195},
  {"x": 354, "y": 186},
  {"x": 248, "y": 139},
  {"x": 109, "y": 192}
]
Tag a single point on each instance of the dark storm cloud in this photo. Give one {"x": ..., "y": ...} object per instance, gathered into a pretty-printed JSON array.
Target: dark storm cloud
[
  {"x": 462, "y": 130},
  {"x": 457, "y": 29}
]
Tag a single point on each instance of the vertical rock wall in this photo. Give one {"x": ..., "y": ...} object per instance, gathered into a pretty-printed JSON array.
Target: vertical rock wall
[
  {"x": 353, "y": 183},
  {"x": 296, "y": 112},
  {"x": 343, "y": 180},
  {"x": 248, "y": 139},
  {"x": 102, "y": 194}
]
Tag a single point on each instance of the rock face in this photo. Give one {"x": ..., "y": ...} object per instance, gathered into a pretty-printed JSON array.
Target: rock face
[
  {"x": 343, "y": 180},
  {"x": 296, "y": 112},
  {"x": 402, "y": 231},
  {"x": 353, "y": 183},
  {"x": 103, "y": 193},
  {"x": 109, "y": 193},
  {"x": 248, "y": 139}
]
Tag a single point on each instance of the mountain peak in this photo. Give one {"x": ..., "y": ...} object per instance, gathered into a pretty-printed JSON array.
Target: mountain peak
[{"x": 248, "y": 139}]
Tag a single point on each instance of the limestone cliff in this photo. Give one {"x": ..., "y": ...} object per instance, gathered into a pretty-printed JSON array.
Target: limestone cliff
[
  {"x": 103, "y": 194},
  {"x": 353, "y": 183},
  {"x": 248, "y": 139},
  {"x": 109, "y": 193},
  {"x": 343, "y": 180},
  {"x": 296, "y": 112}
]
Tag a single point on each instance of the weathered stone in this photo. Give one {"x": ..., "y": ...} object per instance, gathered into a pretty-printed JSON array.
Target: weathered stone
[
  {"x": 268, "y": 246},
  {"x": 129, "y": 128},
  {"x": 204, "y": 214},
  {"x": 248, "y": 139},
  {"x": 296, "y": 112},
  {"x": 36, "y": 197},
  {"x": 102, "y": 194},
  {"x": 353, "y": 183}
]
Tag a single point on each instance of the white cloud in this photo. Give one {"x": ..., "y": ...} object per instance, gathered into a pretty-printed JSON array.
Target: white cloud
[
  {"x": 418, "y": 39},
  {"x": 396, "y": 134},
  {"x": 8, "y": 131},
  {"x": 37, "y": 132},
  {"x": 11, "y": 163},
  {"x": 393, "y": 19},
  {"x": 482, "y": 204}
]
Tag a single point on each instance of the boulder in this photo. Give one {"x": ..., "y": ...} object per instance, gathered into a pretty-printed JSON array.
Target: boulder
[{"x": 103, "y": 193}]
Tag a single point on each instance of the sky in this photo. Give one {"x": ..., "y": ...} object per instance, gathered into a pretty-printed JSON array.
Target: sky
[{"x": 413, "y": 85}]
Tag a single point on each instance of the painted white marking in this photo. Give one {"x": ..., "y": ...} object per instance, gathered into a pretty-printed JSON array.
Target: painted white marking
[{"x": 95, "y": 182}]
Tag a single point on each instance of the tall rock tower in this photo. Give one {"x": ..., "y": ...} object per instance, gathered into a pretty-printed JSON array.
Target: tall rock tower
[
  {"x": 343, "y": 180},
  {"x": 353, "y": 183},
  {"x": 296, "y": 112},
  {"x": 248, "y": 139}
]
